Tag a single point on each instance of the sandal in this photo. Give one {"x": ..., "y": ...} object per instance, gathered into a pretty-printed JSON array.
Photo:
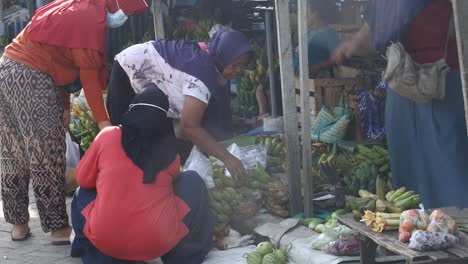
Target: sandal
[
  {"x": 60, "y": 243},
  {"x": 28, "y": 235}
]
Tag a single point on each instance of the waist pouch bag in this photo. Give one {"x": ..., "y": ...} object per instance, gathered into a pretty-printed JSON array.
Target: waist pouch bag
[{"x": 417, "y": 82}]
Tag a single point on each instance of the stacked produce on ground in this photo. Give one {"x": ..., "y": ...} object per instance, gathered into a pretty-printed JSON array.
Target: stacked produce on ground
[
  {"x": 276, "y": 152},
  {"x": 266, "y": 253},
  {"x": 240, "y": 200},
  {"x": 83, "y": 127},
  {"x": 394, "y": 202},
  {"x": 372, "y": 172},
  {"x": 277, "y": 198}
]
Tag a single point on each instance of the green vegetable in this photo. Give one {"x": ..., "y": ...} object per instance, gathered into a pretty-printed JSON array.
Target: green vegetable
[
  {"x": 332, "y": 223},
  {"x": 320, "y": 228},
  {"x": 270, "y": 258},
  {"x": 314, "y": 223},
  {"x": 282, "y": 256},
  {"x": 254, "y": 258},
  {"x": 339, "y": 212},
  {"x": 265, "y": 248}
]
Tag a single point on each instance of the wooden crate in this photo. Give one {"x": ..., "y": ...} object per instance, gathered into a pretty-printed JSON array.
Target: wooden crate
[{"x": 326, "y": 92}]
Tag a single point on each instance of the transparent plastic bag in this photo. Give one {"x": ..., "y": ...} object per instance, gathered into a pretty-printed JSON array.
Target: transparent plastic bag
[
  {"x": 201, "y": 164},
  {"x": 345, "y": 246},
  {"x": 73, "y": 152},
  {"x": 441, "y": 222},
  {"x": 249, "y": 155},
  {"x": 430, "y": 241},
  {"x": 331, "y": 235},
  {"x": 410, "y": 220}
]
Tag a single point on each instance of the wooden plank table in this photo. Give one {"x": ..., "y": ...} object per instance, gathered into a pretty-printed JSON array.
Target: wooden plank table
[{"x": 369, "y": 240}]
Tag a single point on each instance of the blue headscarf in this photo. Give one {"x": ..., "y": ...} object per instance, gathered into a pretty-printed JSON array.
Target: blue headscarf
[
  {"x": 224, "y": 48},
  {"x": 389, "y": 20}
]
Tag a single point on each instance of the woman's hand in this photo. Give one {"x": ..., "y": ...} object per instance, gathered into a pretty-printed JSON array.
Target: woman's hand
[
  {"x": 235, "y": 167},
  {"x": 104, "y": 124},
  {"x": 348, "y": 48},
  {"x": 343, "y": 52}
]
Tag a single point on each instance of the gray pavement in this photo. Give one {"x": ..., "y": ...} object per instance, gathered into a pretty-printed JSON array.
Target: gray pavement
[{"x": 37, "y": 249}]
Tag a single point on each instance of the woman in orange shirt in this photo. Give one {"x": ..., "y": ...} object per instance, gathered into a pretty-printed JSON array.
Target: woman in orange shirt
[{"x": 62, "y": 47}]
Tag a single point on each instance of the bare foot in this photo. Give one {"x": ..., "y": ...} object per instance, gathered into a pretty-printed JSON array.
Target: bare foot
[
  {"x": 20, "y": 231},
  {"x": 61, "y": 235}
]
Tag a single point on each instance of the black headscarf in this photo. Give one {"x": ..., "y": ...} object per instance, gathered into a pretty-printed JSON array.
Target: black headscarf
[{"x": 147, "y": 133}]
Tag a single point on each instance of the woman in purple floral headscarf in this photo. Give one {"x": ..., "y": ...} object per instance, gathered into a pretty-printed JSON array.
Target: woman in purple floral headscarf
[{"x": 195, "y": 81}]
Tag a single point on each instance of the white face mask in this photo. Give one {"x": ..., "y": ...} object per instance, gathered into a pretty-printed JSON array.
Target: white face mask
[{"x": 116, "y": 19}]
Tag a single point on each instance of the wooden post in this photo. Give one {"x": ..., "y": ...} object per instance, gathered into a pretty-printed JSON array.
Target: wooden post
[
  {"x": 158, "y": 19},
  {"x": 305, "y": 106},
  {"x": 289, "y": 105},
  {"x": 460, "y": 11}
]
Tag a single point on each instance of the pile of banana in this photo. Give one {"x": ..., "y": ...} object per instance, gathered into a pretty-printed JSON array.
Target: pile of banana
[
  {"x": 276, "y": 152},
  {"x": 247, "y": 84},
  {"x": 246, "y": 100},
  {"x": 338, "y": 159},
  {"x": 395, "y": 201},
  {"x": 377, "y": 156},
  {"x": 223, "y": 204},
  {"x": 84, "y": 128},
  {"x": 371, "y": 172},
  {"x": 277, "y": 198},
  {"x": 257, "y": 179}
]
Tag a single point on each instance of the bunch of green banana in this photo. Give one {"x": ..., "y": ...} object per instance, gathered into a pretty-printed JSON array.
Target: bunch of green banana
[
  {"x": 246, "y": 100},
  {"x": 257, "y": 179},
  {"x": 221, "y": 181},
  {"x": 276, "y": 151},
  {"x": 378, "y": 156},
  {"x": 403, "y": 198},
  {"x": 363, "y": 177},
  {"x": 223, "y": 204},
  {"x": 85, "y": 128}
]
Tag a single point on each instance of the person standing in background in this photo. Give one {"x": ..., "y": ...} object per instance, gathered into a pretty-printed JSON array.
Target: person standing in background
[{"x": 428, "y": 145}]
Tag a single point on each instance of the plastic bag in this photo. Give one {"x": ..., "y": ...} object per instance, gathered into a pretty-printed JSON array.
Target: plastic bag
[
  {"x": 441, "y": 222},
  {"x": 249, "y": 155},
  {"x": 331, "y": 235},
  {"x": 345, "y": 246},
  {"x": 73, "y": 152},
  {"x": 429, "y": 241},
  {"x": 410, "y": 220},
  {"x": 201, "y": 164}
]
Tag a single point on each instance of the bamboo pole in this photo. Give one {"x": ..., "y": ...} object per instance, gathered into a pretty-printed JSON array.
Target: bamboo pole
[
  {"x": 305, "y": 106},
  {"x": 289, "y": 105}
]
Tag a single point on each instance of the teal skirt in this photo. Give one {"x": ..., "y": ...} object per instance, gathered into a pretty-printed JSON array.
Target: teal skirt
[{"x": 428, "y": 146}]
